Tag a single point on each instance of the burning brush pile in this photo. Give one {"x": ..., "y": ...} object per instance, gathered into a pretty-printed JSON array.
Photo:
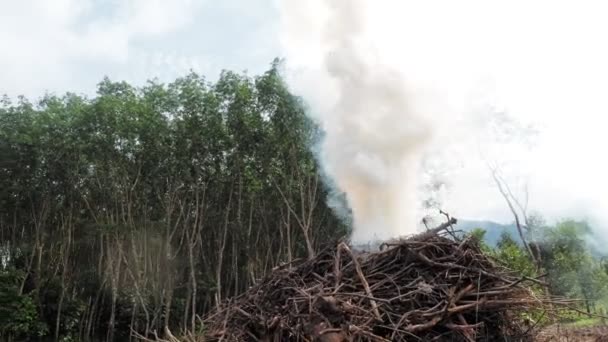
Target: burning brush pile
[{"x": 430, "y": 287}]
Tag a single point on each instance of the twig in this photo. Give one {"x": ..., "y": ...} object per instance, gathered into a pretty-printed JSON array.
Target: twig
[{"x": 345, "y": 248}]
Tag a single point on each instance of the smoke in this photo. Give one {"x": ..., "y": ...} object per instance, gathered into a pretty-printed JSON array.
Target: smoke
[
  {"x": 374, "y": 130},
  {"x": 417, "y": 98}
]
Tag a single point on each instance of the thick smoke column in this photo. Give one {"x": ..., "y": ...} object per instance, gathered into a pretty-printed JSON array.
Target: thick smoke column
[
  {"x": 394, "y": 82},
  {"x": 374, "y": 132}
]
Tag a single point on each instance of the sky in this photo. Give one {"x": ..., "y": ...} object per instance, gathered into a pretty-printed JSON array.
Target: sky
[
  {"x": 70, "y": 45},
  {"x": 543, "y": 63}
]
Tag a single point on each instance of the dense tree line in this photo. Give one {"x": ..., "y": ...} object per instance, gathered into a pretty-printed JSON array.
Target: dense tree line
[{"x": 140, "y": 208}]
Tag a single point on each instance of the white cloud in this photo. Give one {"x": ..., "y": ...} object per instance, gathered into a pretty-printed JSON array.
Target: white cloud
[
  {"x": 152, "y": 17},
  {"x": 43, "y": 41}
]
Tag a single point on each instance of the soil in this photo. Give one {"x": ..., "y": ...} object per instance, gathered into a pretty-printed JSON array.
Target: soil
[{"x": 559, "y": 333}]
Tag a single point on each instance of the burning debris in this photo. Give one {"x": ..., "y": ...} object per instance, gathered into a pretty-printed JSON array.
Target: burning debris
[{"x": 430, "y": 287}]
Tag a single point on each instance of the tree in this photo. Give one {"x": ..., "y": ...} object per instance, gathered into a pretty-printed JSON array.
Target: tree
[
  {"x": 513, "y": 256},
  {"x": 572, "y": 270},
  {"x": 143, "y": 207},
  {"x": 18, "y": 315}
]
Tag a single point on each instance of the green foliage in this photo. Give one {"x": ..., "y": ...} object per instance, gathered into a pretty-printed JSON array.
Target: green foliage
[
  {"x": 509, "y": 252},
  {"x": 479, "y": 235},
  {"x": 18, "y": 314},
  {"x": 572, "y": 270},
  {"x": 117, "y": 208},
  {"x": 585, "y": 322}
]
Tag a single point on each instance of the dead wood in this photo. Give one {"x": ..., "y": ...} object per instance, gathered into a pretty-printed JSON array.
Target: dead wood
[{"x": 432, "y": 286}]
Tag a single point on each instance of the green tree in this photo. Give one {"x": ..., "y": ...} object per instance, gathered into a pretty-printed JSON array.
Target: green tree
[
  {"x": 509, "y": 252},
  {"x": 573, "y": 271},
  {"x": 18, "y": 315},
  {"x": 142, "y": 207}
]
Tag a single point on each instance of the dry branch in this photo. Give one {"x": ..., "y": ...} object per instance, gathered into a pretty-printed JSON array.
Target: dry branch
[{"x": 431, "y": 286}]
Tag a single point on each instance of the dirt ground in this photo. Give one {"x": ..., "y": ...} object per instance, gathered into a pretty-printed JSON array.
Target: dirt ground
[{"x": 559, "y": 333}]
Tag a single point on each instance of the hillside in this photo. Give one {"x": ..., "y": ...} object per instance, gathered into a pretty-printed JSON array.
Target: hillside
[{"x": 493, "y": 229}]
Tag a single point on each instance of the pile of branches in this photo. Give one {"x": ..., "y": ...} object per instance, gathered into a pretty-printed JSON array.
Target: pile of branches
[{"x": 430, "y": 287}]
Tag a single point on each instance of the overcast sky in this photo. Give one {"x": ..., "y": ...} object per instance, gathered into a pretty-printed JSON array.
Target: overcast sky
[{"x": 69, "y": 45}]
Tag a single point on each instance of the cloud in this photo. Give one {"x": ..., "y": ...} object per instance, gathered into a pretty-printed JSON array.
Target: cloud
[
  {"x": 154, "y": 17},
  {"x": 44, "y": 42}
]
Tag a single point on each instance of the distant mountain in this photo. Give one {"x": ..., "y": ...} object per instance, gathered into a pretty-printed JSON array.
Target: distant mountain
[
  {"x": 493, "y": 229},
  {"x": 595, "y": 242}
]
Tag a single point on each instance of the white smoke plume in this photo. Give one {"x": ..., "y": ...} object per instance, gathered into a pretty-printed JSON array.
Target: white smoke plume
[
  {"x": 451, "y": 86},
  {"x": 376, "y": 127}
]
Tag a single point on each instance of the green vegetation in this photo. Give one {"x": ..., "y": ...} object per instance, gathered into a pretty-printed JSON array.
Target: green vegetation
[
  {"x": 571, "y": 269},
  {"x": 143, "y": 207},
  {"x": 18, "y": 314},
  {"x": 585, "y": 322}
]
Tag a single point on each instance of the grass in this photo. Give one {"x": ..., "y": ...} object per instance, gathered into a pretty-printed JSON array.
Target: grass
[{"x": 585, "y": 322}]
